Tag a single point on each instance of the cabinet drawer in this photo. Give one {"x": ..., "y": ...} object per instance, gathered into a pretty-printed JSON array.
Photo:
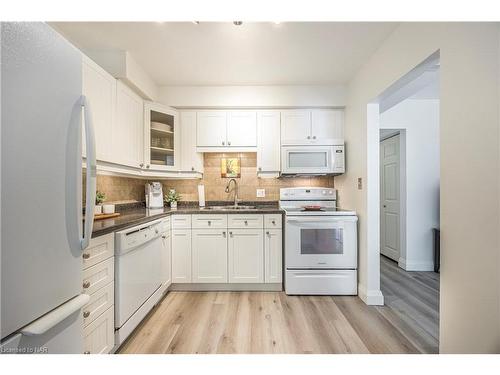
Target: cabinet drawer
[
  {"x": 99, "y": 302},
  {"x": 245, "y": 221},
  {"x": 272, "y": 221},
  {"x": 99, "y": 336},
  {"x": 99, "y": 249},
  {"x": 181, "y": 221},
  {"x": 96, "y": 277},
  {"x": 209, "y": 221}
]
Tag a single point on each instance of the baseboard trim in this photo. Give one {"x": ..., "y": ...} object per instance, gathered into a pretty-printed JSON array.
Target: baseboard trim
[
  {"x": 415, "y": 266},
  {"x": 371, "y": 297},
  {"x": 200, "y": 287}
]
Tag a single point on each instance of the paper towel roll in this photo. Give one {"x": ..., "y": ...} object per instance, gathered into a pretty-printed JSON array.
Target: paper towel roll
[{"x": 201, "y": 195}]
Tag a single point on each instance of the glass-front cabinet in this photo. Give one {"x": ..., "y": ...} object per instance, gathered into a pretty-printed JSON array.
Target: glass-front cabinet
[{"x": 162, "y": 137}]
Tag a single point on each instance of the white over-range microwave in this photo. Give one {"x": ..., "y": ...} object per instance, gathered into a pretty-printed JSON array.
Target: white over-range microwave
[{"x": 312, "y": 160}]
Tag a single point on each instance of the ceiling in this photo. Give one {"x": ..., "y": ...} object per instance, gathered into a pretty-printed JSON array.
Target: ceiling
[{"x": 220, "y": 53}]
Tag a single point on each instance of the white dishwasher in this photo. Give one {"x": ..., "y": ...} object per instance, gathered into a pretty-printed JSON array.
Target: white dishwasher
[{"x": 137, "y": 275}]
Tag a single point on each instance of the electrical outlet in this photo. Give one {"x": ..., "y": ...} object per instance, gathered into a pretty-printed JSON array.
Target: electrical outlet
[{"x": 261, "y": 193}]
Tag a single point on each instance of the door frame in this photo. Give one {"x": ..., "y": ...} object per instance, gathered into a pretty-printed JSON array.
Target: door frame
[{"x": 402, "y": 191}]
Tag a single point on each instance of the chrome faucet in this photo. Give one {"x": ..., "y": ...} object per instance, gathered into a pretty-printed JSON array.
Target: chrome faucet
[{"x": 227, "y": 190}]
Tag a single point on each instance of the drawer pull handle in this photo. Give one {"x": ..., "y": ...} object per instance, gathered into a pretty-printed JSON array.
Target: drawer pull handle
[
  {"x": 86, "y": 352},
  {"x": 267, "y": 233},
  {"x": 86, "y": 256},
  {"x": 273, "y": 222},
  {"x": 86, "y": 284},
  {"x": 246, "y": 222},
  {"x": 231, "y": 234},
  {"x": 209, "y": 223},
  {"x": 224, "y": 234},
  {"x": 86, "y": 314}
]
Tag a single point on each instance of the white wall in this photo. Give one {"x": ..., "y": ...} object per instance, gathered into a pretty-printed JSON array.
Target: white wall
[
  {"x": 253, "y": 96},
  {"x": 469, "y": 134},
  {"x": 420, "y": 120}
]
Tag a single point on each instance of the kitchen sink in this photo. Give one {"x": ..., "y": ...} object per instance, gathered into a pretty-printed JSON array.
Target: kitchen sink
[{"x": 229, "y": 208}]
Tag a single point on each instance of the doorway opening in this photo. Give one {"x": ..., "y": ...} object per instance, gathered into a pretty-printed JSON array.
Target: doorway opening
[{"x": 403, "y": 153}]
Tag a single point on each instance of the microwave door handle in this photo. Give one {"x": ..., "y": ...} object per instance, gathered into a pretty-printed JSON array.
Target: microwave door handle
[{"x": 91, "y": 173}]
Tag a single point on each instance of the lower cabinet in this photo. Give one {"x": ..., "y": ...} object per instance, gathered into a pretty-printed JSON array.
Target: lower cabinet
[
  {"x": 246, "y": 256},
  {"x": 166, "y": 260},
  {"x": 181, "y": 255},
  {"x": 99, "y": 336},
  {"x": 209, "y": 250},
  {"x": 273, "y": 258}
]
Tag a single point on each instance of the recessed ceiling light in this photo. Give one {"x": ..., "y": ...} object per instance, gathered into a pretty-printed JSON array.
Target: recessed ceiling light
[{"x": 237, "y": 23}]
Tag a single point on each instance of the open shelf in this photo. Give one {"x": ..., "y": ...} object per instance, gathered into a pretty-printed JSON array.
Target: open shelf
[
  {"x": 162, "y": 150},
  {"x": 161, "y": 133}
]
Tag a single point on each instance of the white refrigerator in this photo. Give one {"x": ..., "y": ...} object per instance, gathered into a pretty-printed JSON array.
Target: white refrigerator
[{"x": 42, "y": 236}]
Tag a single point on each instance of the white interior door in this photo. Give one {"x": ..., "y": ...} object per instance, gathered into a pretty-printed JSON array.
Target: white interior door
[{"x": 389, "y": 198}]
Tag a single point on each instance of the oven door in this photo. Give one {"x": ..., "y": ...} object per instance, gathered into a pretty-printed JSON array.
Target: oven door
[{"x": 321, "y": 242}]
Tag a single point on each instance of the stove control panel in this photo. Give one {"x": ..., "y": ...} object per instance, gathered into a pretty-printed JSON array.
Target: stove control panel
[{"x": 308, "y": 193}]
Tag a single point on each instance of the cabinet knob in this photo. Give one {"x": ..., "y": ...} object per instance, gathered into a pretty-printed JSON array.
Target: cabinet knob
[
  {"x": 86, "y": 352},
  {"x": 192, "y": 168},
  {"x": 209, "y": 223},
  {"x": 229, "y": 143},
  {"x": 314, "y": 137},
  {"x": 86, "y": 314},
  {"x": 231, "y": 234},
  {"x": 147, "y": 166},
  {"x": 224, "y": 234},
  {"x": 223, "y": 143},
  {"x": 267, "y": 233},
  {"x": 308, "y": 137},
  {"x": 164, "y": 237},
  {"x": 273, "y": 222},
  {"x": 260, "y": 168},
  {"x": 86, "y": 284},
  {"x": 246, "y": 222},
  {"x": 86, "y": 256},
  {"x": 141, "y": 165}
]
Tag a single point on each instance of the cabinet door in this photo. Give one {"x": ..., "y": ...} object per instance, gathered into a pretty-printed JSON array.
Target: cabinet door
[
  {"x": 273, "y": 260},
  {"x": 268, "y": 145},
  {"x": 191, "y": 161},
  {"x": 209, "y": 256},
  {"x": 99, "y": 336},
  {"x": 166, "y": 259},
  {"x": 211, "y": 128},
  {"x": 242, "y": 129},
  {"x": 128, "y": 128},
  {"x": 296, "y": 127},
  {"x": 181, "y": 256},
  {"x": 327, "y": 126},
  {"x": 246, "y": 256},
  {"x": 100, "y": 89}
]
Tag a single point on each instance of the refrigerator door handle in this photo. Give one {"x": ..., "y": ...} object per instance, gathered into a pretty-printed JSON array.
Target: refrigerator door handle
[
  {"x": 56, "y": 316},
  {"x": 91, "y": 173}
]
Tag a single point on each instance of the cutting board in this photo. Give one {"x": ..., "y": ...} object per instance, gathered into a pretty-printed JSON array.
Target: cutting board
[{"x": 106, "y": 216}]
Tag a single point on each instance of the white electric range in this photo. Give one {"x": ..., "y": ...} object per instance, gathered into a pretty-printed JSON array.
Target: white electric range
[{"x": 321, "y": 248}]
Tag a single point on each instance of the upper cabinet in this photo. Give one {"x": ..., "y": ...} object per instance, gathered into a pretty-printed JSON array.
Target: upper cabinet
[
  {"x": 242, "y": 128},
  {"x": 226, "y": 129},
  {"x": 315, "y": 127},
  {"x": 211, "y": 128},
  {"x": 268, "y": 143},
  {"x": 161, "y": 138},
  {"x": 100, "y": 89},
  {"x": 128, "y": 128},
  {"x": 191, "y": 161}
]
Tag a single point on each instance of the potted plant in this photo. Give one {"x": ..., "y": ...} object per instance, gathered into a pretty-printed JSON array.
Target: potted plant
[
  {"x": 172, "y": 197},
  {"x": 100, "y": 197}
]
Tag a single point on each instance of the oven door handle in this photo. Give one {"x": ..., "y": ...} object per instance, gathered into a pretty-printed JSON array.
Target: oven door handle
[{"x": 309, "y": 220}]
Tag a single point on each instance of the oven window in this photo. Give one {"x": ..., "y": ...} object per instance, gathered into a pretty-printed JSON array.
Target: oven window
[
  {"x": 322, "y": 241},
  {"x": 307, "y": 159}
]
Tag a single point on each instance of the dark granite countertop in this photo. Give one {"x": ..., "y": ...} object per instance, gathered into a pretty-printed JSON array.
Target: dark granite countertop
[{"x": 138, "y": 214}]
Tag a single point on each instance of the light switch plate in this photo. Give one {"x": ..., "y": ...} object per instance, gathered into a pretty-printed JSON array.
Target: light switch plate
[{"x": 261, "y": 193}]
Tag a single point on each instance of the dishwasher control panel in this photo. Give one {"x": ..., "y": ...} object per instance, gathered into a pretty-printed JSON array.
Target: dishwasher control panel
[{"x": 130, "y": 238}]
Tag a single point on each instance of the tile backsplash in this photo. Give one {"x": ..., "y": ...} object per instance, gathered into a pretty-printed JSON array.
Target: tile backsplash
[{"x": 124, "y": 189}]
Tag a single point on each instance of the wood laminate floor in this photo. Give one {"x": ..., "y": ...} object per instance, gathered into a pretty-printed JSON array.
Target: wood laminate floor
[{"x": 272, "y": 322}]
